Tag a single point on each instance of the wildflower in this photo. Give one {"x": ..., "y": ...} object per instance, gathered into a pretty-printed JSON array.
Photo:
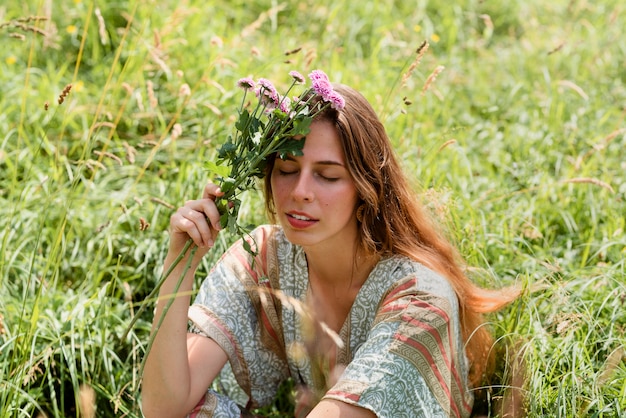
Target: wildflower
[
  {"x": 322, "y": 88},
  {"x": 10, "y": 60},
  {"x": 435, "y": 38},
  {"x": 317, "y": 75},
  {"x": 246, "y": 83},
  {"x": 336, "y": 100},
  {"x": 285, "y": 104},
  {"x": 275, "y": 126},
  {"x": 267, "y": 94},
  {"x": 78, "y": 86},
  {"x": 71, "y": 29},
  {"x": 297, "y": 77}
]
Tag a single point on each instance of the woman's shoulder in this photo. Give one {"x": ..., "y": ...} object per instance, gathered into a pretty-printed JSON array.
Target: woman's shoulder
[{"x": 416, "y": 277}]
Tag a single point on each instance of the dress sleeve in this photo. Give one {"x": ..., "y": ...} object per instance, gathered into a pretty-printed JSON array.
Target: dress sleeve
[
  {"x": 235, "y": 308},
  {"x": 409, "y": 364}
]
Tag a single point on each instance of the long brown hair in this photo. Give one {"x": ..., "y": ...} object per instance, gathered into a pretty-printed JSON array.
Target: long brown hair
[{"x": 392, "y": 221}]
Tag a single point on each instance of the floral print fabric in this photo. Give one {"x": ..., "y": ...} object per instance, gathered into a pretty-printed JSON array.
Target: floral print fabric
[{"x": 402, "y": 344}]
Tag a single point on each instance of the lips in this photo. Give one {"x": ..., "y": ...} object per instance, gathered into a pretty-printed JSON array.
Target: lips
[{"x": 300, "y": 220}]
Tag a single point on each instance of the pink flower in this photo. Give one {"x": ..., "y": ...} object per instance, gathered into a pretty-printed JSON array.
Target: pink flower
[
  {"x": 267, "y": 94},
  {"x": 336, "y": 100},
  {"x": 322, "y": 88},
  {"x": 285, "y": 104},
  {"x": 246, "y": 83},
  {"x": 318, "y": 75},
  {"x": 299, "y": 78}
]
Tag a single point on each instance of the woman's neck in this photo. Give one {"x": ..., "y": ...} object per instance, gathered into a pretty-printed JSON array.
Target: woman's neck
[{"x": 339, "y": 269}]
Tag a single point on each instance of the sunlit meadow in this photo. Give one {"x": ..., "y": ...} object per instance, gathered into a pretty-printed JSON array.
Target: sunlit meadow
[{"x": 511, "y": 123}]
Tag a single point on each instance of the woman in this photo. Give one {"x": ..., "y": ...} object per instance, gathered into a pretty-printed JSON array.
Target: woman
[{"x": 354, "y": 294}]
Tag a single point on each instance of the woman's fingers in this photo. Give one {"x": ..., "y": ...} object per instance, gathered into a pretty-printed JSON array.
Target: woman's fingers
[
  {"x": 199, "y": 219},
  {"x": 212, "y": 191}
]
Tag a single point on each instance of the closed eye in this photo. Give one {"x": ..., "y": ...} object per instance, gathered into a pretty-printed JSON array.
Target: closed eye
[
  {"x": 286, "y": 172},
  {"x": 329, "y": 179}
]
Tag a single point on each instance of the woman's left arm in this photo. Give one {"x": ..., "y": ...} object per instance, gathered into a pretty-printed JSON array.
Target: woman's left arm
[{"x": 330, "y": 408}]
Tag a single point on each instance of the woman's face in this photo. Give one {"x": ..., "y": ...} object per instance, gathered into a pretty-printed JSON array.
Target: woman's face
[{"x": 314, "y": 194}]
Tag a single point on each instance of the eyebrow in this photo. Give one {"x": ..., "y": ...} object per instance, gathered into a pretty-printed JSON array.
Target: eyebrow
[{"x": 322, "y": 162}]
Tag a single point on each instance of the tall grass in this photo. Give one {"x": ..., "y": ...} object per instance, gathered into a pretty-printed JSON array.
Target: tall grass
[{"x": 517, "y": 145}]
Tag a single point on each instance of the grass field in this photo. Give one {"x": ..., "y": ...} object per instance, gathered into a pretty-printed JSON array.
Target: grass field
[{"x": 512, "y": 125}]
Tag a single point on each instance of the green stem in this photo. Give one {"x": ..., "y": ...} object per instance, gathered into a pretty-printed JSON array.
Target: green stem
[
  {"x": 158, "y": 285},
  {"x": 169, "y": 302}
]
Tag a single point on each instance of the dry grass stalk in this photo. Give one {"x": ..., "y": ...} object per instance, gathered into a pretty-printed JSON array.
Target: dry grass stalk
[
  {"x": 64, "y": 94},
  {"x": 213, "y": 109},
  {"x": 92, "y": 165},
  {"x": 575, "y": 87},
  {"x": 421, "y": 50},
  {"x": 556, "y": 48},
  {"x": 590, "y": 181},
  {"x": 143, "y": 224},
  {"x": 155, "y": 54},
  {"x": 270, "y": 14},
  {"x": 610, "y": 366},
  {"x": 18, "y": 36},
  {"x": 102, "y": 30},
  {"x": 129, "y": 89},
  {"x": 130, "y": 152},
  {"x": 293, "y": 51},
  {"x": 177, "y": 131},
  {"x": 487, "y": 21},
  {"x": 24, "y": 24},
  {"x": 432, "y": 77},
  {"x": 86, "y": 401},
  {"x": 599, "y": 146},
  {"x": 184, "y": 90},
  {"x": 162, "y": 202},
  {"x": 446, "y": 144},
  {"x": 303, "y": 312},
  {"x": 310, "y": 57},
  {"x": 151, "y": 96},
  {"x": 109, "y": 155}
]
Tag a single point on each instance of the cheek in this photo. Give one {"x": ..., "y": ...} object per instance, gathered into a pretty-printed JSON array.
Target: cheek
[
  {"x": 278, "y": 189},
  {"x": 345, "y": 199}
]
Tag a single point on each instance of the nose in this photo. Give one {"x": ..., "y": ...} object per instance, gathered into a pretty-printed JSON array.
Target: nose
[{"x": 302, "y": 189}]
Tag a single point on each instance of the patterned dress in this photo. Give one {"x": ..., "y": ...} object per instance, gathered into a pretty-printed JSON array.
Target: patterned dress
[{"x": 401, "y": 343}]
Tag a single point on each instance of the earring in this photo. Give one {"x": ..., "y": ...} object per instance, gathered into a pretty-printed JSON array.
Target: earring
[{"x": 359, "y": 213}]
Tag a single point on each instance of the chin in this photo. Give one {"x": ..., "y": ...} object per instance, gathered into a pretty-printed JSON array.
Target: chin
[{"x": 301, "y": 238}]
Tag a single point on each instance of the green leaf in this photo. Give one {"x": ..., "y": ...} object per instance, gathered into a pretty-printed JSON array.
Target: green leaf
[
  {"x": 228, "y": 149},
  {"x": 246, "y": 245},
  {"x": 216, "y": 169},
  {"x": 291, "y": 147},
  {"x": 243, "y": 120}
]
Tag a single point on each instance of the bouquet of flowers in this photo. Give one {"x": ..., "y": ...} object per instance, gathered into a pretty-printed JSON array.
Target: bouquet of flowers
[{"x": 277, "y": 124}]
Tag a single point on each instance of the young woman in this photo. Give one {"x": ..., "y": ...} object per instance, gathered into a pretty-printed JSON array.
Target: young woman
[{"x": 353, "y": 293}]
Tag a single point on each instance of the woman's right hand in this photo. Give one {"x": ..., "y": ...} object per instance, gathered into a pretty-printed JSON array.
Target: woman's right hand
[{"x": 198, "y": 220}]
